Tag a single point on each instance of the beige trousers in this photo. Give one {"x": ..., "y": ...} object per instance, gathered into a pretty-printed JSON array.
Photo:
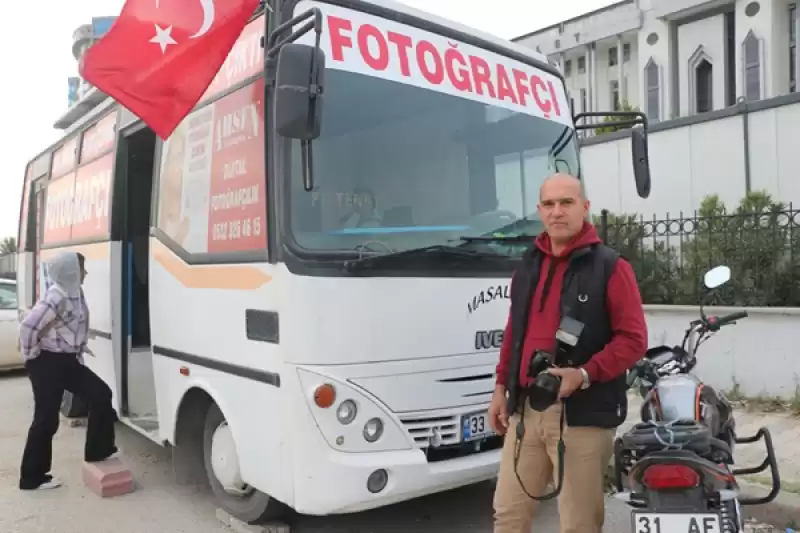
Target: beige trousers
[{"x": 581, "y": 504}]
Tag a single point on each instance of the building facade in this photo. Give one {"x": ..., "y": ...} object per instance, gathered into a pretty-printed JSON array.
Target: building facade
[
  {"x": 675, "y": 58},
  {"x": 82, "y": 38}
]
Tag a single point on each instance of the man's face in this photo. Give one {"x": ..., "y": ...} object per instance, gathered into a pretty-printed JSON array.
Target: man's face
[{"x": 562, "y": 208}]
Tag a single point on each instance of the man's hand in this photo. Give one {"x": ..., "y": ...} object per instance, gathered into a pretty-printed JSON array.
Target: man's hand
[
  {"x": 498, "y": 414},
  {"x": 571, "y": 380}
]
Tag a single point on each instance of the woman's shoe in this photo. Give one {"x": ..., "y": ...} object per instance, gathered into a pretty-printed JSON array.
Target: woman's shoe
[{"x": 49, "y": 483}]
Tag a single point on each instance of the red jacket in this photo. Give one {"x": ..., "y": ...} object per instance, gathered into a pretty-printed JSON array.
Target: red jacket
[{"x": 624, "y": 304}]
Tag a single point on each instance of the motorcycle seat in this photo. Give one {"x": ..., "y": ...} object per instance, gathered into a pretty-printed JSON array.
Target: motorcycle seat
[{"x": 647, "y": 437}]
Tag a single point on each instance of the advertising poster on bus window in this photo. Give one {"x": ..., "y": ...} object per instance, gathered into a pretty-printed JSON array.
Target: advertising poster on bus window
[
  {"x": 246, "y": 59},
  {"x": 22, "y": 241},
  {"x": 99, "y": 138},
  {"x": 64, "y": 158},
  {"x": 91, "y": 198},
  {"x": 212, "y": 194},
  {"x": 77, "y": 204},
  {"x": 58, "y": 210}
]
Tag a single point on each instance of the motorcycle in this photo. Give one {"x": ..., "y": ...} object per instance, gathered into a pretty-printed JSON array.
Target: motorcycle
[{"x": 678, "y": 461}]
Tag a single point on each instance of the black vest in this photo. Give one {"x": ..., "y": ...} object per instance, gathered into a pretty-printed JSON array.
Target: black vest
[{"x": 583, "y": 297}]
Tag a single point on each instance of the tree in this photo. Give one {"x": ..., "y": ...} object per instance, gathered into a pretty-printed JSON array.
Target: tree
[
  {"x": 624, "y": 106},
  {"x": 655, "y": 263},
  {"x": 8, "y": 246}
]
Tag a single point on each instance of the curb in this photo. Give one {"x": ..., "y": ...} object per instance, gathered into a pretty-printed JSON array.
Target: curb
[{"x": 782, "y": 511}]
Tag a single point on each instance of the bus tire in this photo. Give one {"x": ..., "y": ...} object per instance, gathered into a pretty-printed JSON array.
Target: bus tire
[
  {"x": 73, "y": 406},
  {"x": 251, "y": 505}
]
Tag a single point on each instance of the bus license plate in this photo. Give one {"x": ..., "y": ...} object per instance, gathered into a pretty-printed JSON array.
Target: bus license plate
[
  {"x": 475, "y": 426},
  {"x": 676, "y": 523}
]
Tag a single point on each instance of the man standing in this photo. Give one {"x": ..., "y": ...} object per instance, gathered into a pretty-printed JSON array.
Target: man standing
[{"x": 568, "y": 271}]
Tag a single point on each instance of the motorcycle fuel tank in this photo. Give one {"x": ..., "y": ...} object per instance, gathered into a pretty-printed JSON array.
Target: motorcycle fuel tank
[{"x": 676, "y": 398}]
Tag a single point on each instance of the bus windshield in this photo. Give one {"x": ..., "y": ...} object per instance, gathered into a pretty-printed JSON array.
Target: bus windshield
[{"x": 402, "y": 165}]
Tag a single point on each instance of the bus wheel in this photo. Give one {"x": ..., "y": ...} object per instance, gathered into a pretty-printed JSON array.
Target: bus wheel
[{"x": 222, "y": 468}]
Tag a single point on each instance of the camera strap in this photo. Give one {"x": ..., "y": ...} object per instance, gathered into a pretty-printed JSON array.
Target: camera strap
[{"x": 560, "y": 449}]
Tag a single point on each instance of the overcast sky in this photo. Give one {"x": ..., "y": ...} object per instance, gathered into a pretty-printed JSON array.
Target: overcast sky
[{"x": 37, "y": 60}]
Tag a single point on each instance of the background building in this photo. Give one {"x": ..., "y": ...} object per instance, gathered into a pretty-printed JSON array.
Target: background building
[
  {"x": 82, "y": 38},
  {"x": 673, "y": 58}
]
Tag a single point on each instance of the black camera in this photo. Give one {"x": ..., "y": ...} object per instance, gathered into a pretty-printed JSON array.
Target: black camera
[{"x": 544, "y": 391}]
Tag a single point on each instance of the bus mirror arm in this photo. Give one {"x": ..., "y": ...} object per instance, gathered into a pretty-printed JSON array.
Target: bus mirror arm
[
  {"x": 634, "y": 118},
  {"x": 308, "y": 165},
  {"x": 273, "y": 46},
  {"x": 299, "y": 84},
  {"x": 639, "y": 150}
]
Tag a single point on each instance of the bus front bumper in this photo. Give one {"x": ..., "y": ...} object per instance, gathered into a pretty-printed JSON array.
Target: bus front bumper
[{"x": 340, "y": 483}]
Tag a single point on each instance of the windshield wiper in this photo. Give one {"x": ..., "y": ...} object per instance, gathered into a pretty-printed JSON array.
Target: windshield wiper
[
  {"x": 499, "y": 238},
  {"x": 440, "y": 250}
]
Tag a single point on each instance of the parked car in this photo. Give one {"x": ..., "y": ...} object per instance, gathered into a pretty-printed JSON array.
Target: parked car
[{"x": 10, "y": 357}]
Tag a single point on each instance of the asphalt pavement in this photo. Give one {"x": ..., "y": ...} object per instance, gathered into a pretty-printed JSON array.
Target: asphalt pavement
[{"x": 159, "y": 504}]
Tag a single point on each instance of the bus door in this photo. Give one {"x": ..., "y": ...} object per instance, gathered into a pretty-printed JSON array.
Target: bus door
[{"x": 133, "y": 189}]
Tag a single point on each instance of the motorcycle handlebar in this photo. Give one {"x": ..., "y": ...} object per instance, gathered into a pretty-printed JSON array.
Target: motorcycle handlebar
[{"x": 733, "y": 317}]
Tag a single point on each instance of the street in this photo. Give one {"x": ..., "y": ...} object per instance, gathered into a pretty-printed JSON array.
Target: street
[{"x": 159, "y": 504}]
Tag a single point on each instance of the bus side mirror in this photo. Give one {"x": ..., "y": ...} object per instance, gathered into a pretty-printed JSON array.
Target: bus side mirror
[
  {"x": 299, "y": 91},
  {"x": 641, "y": 162}
]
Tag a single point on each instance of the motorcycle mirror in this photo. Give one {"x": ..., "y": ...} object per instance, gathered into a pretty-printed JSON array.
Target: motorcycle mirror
[{"x": 717, "y": 276}]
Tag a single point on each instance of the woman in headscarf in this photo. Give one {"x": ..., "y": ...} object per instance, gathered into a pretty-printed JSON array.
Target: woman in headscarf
[{"x": 53, "y": 339}]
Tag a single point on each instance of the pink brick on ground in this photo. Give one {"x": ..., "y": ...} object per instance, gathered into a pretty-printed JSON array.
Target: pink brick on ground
[{"x": 108, "y": 478}]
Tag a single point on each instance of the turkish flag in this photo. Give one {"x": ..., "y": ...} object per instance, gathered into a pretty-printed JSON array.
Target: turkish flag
[{"x": 160, "y": 56}]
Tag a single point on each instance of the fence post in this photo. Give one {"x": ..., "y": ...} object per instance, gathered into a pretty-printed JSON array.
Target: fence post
[{"x": 604, "y": 226}]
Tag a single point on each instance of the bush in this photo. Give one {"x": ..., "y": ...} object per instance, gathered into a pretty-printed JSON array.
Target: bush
[{"x": 759, "y": 241}]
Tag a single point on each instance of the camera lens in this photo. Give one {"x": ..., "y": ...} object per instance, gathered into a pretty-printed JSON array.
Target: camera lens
[{"x": 544, "y": 391}]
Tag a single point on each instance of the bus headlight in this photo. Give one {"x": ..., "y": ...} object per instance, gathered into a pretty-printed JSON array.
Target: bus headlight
[
  {"x": 346, "y": 412},
  {"x": 373, "y": 429}
]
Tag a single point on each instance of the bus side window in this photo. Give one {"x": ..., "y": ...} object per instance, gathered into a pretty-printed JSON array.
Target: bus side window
[{"x": 36, "y": 234}]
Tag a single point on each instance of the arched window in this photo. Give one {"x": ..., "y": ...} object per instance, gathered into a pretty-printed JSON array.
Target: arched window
[
  {"x": 701, "y": 82},
  {"x": 752, "y": 67},
  {"x": 652, "y": 76}
]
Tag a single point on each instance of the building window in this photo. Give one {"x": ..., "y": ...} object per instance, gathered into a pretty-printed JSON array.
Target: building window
[
  {"x": 652, "y": 77},
  {"x": 626, "y": 52},
  {"x": 793, "y": 47},
  {"x": 701, "y": 82},
  {"x": 567, "y": 67},
  {"x": 704, "y": 86},
  {"x": 581, "y": 65},
  {"x": 752, "y": 67},
  {"x": 612, "y": 56},
  {"x": 625, "y": 93},
  {"x": 614, "y": 92}
]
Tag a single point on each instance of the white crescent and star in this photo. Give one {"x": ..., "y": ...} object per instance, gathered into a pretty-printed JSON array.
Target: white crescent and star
[{"x": 163, "y": 37}]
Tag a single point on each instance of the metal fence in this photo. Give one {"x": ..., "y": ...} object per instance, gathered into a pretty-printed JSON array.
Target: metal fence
[
  {"x": 8, "y": 266},
  {"x": 671, "y": 255}
]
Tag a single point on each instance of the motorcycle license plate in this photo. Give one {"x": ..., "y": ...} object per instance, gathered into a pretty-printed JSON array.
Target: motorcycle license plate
[{"x": 676, "y": 523}]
